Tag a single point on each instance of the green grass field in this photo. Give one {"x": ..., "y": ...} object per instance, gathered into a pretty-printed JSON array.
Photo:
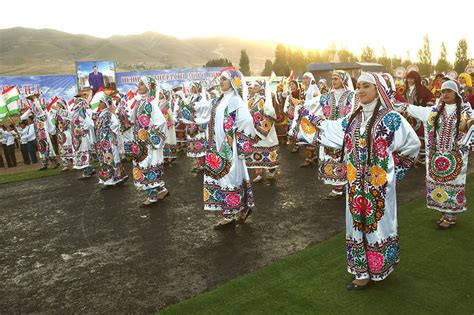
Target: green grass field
[
  {"x": 32, "y": 174},
  {"x": 435, "y": 276},
  {"x": 28, "y": 174}
]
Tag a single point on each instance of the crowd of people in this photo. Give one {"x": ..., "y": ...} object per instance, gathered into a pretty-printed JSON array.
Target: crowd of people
[{"x": 363, "y": 135}]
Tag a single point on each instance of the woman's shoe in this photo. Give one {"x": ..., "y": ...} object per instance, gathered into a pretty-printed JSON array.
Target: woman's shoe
[
  {"x": 224, "y": 224},
  {"x": 354, "y": 286},
  {"x": 445, "y": 224},
  {"x": 163, "y": 194},
  {"x": 332, "y": 196},
  {"x": 149, "y": 202},
  {"x": 243, "y": 216},
  {"x": 258, "y": 179}
]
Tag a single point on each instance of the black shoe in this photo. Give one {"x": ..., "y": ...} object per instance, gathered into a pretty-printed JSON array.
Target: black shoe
[
  {"x": 353, "y": 286},
  {"x": 43, "y": 168}
]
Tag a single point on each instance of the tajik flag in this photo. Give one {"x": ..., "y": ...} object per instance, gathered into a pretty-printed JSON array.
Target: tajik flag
[
  {"x": 131, "y": 100},
  {"x": 53, "y": 101},
  {"x": 9, "y": 102},
  {"x": 96, "y": 100}
]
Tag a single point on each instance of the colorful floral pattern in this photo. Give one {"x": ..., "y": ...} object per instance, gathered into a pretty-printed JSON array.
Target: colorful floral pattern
[{"x": 372, "y": 260}]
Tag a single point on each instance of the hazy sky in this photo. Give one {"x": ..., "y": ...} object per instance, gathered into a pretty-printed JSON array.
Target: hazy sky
[{"x": 397, "y": 25}]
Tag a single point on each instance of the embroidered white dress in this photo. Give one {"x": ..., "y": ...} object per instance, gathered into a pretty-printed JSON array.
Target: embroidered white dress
[{"x": 372, "y": 242}]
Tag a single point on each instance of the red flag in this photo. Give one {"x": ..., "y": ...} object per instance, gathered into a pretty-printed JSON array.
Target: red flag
[
  {"x": 184, "y": 89},
  {"x": 292, "y": 76},
  {"x": 54, "y": 100},
  {"x": 131, "y": 101}
]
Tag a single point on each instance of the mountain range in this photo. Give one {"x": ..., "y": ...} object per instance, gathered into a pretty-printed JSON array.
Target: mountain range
[{"x": 25, "y": 51}]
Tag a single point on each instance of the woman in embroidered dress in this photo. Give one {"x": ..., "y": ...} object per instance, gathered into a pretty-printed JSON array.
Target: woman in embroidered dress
[
  {"x": 265, "y": 151},
  {"x": 379, "y": 146},
  {"x": 170, "y": 149},
  {"x": 339, "y": 102},
  {"x": 446, "y": 162},
  {"x": 64, "y": 133},
  {"x": 148, "y": 141},
  {"x": 292, "y": 99},
  {"x": 281, "y": 121},
  {"x": 323, "y": 86},
  {"x": 311, "y": 100},
  {"x": 178, "y": 98},
  {"x": 82, "y": 127},
  {"x": 227, "y": 186},
  {"x": 107, "y": 133},
  {"x": 42, "y": 127},
  {"x": 195, "y": 133}
]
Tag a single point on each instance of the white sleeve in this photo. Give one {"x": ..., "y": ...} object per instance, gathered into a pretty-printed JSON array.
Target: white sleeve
[
  {"x": 419, "y": 112},
  {"x": 114, "y": 124},
  {"x": 25, "y": 115},
  {"x": 203, "y": 110},
  {"x": 331, "y": 132}
]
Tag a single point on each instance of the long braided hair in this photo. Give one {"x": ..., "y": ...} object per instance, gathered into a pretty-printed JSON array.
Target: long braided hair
[{"x": 436, "y": 120}]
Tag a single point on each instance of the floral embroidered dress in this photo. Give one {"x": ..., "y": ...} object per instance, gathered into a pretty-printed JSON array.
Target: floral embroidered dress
[
  {"x": 446, "y": 158},
  {"x": 334, "y": 105},
  {"x": 301, "y": 128},
  {"x": 265, "y": 151},
  {"x": 83, "y": 134},
  {"x": 107, "y": 133},
  {"x": 123, "y": 112},
  {"x": 42, "y": 126},
  {"x": 195, "y": 133},
  {"x": 372, "y": 242},
  {"x": 149, "y": 132},
  {"x": 171, "y": 146},
  {"x": 64, "y": 134},
  {"x": 227, "y": 186}
]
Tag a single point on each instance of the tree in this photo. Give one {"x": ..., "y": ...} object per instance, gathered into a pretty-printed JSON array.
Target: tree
[
  {"x": 221, "y": 62},
  {"x": 268, "y": 68},
  {"x": 385, "y": 61},
  {"x": 443, "y": 65},
  {"x": 407, "y": 60},
  {"x": 345, "y": 55},
  {"x": 461, "y": 61},
  {"x": 367, "y": 55},
  {"x": 396, "y": 62},
  {"x": 296, "y": 61},
  {"x": 280, "y": 65},
  {"x": 244, "y": 63},
  {"x": 424, "y": 57}
]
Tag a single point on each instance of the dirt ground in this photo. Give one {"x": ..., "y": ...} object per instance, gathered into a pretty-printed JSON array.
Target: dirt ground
[{"x": 68, "y": 245}]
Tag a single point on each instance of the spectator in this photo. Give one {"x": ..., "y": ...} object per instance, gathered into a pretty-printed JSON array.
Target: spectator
[
  {"x": 24, "y": 141},
  {"x": 31, "y": 140},
  {"x": 9, "y": 146}
]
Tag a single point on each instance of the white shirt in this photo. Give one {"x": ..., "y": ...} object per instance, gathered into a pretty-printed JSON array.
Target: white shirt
[
  {"x": 23, "y": 134},
  {"x": 10, "y": 137},
  {"x": 31, "y": 133}
]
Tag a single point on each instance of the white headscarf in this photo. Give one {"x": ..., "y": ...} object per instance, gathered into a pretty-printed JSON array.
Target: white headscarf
[
  {"x": 451, "y": 85},
  {"x": 380, "y": 85},
  {"x": 311, "y": 76}
]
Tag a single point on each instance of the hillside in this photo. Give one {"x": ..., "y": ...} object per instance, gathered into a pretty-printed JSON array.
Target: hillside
[{"x": 26, "y": 51}]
